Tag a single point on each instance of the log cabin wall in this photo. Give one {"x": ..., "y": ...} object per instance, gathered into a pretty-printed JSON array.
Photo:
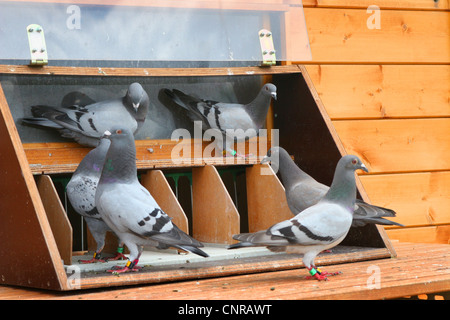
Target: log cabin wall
[{"x": 386, "y": 89}]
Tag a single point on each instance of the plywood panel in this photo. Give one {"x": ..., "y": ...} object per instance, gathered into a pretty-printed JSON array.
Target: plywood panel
[
  {"x": 382, "y": 91},
  {"x": 28, "y": 252},
  {"x": 435, "y": 234},
  {"x": 57, "y": 217},
  {"x": 418, "y": 198},
  {"x": 383, "y": 4},
  {"x": 398, "y": 145},
  {"x": 342, "y": 35},
  {"x": 266, "y": 198},
  {"x": 215, "y": 218},
  {"x": 159, "y": 188}
]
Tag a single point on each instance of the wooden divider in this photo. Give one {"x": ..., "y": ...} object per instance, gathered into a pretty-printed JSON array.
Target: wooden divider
[
  {"x": 28, "y": 253},
  {"x": 156, "y": 183},
  {"x": 57, "y": 217},
  {"x": 266, "y": 198},
  {"x": 214, "y": 216}
]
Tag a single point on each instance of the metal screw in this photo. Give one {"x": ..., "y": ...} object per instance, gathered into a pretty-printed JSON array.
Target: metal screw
[
  {"x": 39, "y": 30},
  {"x": 262, "y": 34},
  {"x": 272, "y": 52},
  {"x": 30, "y": 30},
  {"x": 34, "y": 50},
  {"x": 42, "y": 50},
  {"x": 265, "y": 52},
  {"x": 268, "y": 34}
]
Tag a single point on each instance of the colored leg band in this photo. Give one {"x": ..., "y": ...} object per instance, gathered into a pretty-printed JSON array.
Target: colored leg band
[
  {"x": 312, "y": 271},
  {"x": 120, "y": 250},
  {"x": 233, "y": 152}
]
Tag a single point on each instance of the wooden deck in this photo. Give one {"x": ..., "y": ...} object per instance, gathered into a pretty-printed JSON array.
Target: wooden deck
[{"x": 418, "y": 269}]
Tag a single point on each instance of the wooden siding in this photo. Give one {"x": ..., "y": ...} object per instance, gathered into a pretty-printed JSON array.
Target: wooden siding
[{"x": 387, "y": 92}]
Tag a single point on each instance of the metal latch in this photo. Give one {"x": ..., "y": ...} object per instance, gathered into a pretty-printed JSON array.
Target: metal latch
[
  {"x": 267, "y": 48},
  {"x": 36, "y": 41}
]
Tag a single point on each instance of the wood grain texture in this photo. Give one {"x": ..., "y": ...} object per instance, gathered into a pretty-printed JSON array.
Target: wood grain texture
[
  {"x": 418, "y": 269},
  {"x": 382, "y": 91},
  {"x": 342, "y": 36},
  {"x": 389, "y": 146},
  {"x": 433, "y": 234},
  {"x": 155, "y": 182},
  {"x": 57, "y": 217},
  {"x": 420, "y": 199},
  {"x": 215, "y": 218},
  {"x": 383, "y": 4}
]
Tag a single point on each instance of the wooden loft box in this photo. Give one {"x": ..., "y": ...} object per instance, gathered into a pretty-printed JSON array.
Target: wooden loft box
[{"x": 36, "y": 234}]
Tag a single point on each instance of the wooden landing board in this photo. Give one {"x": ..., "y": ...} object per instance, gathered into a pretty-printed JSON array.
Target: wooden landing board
[
  {"x": 418, "y": 269},
  {"x": 214, "y": 216},
  {"x": 383, "y": 4},
  {"x": 156, "y": 183},
  {"x": 266, "y": 198}
]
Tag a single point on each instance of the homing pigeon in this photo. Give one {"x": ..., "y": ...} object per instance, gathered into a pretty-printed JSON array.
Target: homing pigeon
[
  {"x": 129, "y": 209},
  {"x": 303, "y": 191},
  {"x": 86, "y": 124},
  {"x": 81, "y": 193},
  {"x": 317, "y": 228},
  {"x": 223, "y": 116}
]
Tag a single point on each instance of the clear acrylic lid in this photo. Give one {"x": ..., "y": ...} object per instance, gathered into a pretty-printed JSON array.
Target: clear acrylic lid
[{"x": 141, "y": 31}]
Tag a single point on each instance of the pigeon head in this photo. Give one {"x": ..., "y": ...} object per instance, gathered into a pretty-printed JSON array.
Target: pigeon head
[
  {"x": 270, "y": 89},
  {"x": 351, "y": 162},
  {"x": 137, "y": 96},
  {"x": 120, "y": 162}
]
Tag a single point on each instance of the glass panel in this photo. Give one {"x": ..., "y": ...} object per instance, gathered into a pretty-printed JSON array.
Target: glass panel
[{"x": 139, "y": 32}]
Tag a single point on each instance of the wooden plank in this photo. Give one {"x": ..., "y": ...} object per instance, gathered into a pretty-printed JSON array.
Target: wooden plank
[
  {"x": 266, "y": 198},
  {"x": 388, "y": 146},
  {"x": 432, "y": 234},
  {"x": 382, "y": 91},
  {"x": 215, "y": 217},
  {"x": 420, "y": 199},
  {"x": 383, "y": 4},
  {"x": 57, "y": 217},
  {"x": 419, "y": 269},
  {"x": 342, "y": 36},
  {"x": 147, "y": 72},
  {"x": 35, "y": 262},
  {"x": 156, "y": 183}
]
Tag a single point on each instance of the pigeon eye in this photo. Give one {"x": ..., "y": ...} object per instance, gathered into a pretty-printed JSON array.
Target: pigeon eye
[
  {"x": 354, "y": 161},
  {"x": 119, "y": 131}
]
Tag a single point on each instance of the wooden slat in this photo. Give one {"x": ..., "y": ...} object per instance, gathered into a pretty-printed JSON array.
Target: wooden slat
[
  {"x": 383, "y": 4},
  {"x": 342, "y": 36},
  {"x": 382, "y": 91},
  {"x": 419, "y": 269},
  {"x": 28, "y": 253},
  {"x": 57, "y": 217},
  {"x": 159, "y": 188},
  {"x": 147, "y": 72},
  {"x": 432, "y": 234},
  {"x": 266, "y": 198},
  {"x": 215, "y": 217},
  {"x": 398, "y": 145},
  {"x": 420, "y": 199}
]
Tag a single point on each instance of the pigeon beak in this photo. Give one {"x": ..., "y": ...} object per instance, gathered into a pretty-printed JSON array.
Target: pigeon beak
[
  {"x": 363, "y": 167},
  {"x": 106, "y": 134},
  {"x": 265, "y": 159},
  {"x": 274, "y": 95}
]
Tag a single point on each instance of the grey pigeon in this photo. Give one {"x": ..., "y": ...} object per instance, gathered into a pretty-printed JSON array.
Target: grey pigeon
[
  {"x": 224, "y": 116},
  {"x": 129, "y": 209},
  {"x": 86, "y": 124},
  {"x": 81, "y": 193},
  {"x": 303, "y": 191},
  {"x": 317, "y": 228}
]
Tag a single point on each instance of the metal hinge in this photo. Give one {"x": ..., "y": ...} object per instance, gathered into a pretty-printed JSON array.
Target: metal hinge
[
  {"x": 36, "y": 41},
  {"x": 267, "y": 48}
]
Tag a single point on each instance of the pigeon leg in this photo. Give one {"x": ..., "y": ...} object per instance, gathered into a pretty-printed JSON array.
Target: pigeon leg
[
  {"x": 119, "y": 254},
  {"x": 130, "y": 266},
  {"x": 314, "y": 274},
  {"x": 96, "y": 258}
]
